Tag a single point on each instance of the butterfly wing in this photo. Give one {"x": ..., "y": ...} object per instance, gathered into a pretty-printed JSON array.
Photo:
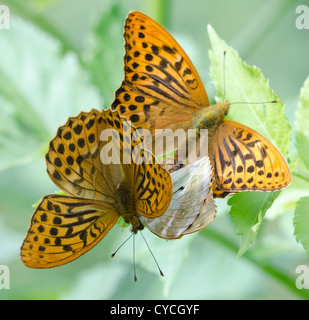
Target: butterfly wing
[
  {"x": 245, "y": 160},
  {"x": 192, "y": 207},
  {"x": 73, "y": 159},
  {"x": 151, "y": 185},
  {"x": 218, "y": 193},
  {"x": 64, "y": 228},
  {"x": 161, "y": 82},
  {"x": 148, "y": 112}
]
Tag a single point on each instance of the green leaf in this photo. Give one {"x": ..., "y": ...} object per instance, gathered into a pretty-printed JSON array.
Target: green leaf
[
  {"x": 170, "y": 255},
  {"x": 301, "y": 124},
  {"x": 39, "y": 90},
  {"x": 247, "y": 211},
  {"x": 244, "y": 83},
  {"x": 102, "y": 56},
  {"x": 301, "y": 222}
]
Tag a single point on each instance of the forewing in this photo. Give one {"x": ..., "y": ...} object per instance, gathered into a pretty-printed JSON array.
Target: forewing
[
  {"x": 73, "y": 159},
  {"x": 161, "y": 83}
]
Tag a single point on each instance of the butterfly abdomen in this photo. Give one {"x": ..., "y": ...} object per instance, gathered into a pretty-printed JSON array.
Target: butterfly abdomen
[
  {"x": 124, "y": 203},
  {"x": 125, "y": 207}
]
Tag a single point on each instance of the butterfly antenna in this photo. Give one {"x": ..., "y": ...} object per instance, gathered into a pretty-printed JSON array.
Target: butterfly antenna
[
  {"x": 113, "y": 255},
  {"x": 224, "y": 54},
  {"x": 255, "y": 102},
  {"x": 263, "y": 102},
  {"x": 161, "y": 273},
  {"x": 135, "y": 277}
]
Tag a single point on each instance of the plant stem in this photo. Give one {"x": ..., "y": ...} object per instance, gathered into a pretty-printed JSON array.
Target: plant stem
[
  {"x": 301, "y": 174},
  {"x": 267, "y": 26},
  {"x": 23, "y": 11},
  {"x": 160, "y": 11},
  {"x": 282, "y": 277},
  {"x": 24, "y": 110}
]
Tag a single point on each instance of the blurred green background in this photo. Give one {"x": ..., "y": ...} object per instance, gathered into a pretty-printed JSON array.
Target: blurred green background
[{"x": 60, "y": 57}]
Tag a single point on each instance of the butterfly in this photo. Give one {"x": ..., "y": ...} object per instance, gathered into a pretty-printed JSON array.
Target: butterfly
[
  {"x": 192, "y": 207},
  {"x": 162, "y": 89},
  {"x": 99, "y": 190}
]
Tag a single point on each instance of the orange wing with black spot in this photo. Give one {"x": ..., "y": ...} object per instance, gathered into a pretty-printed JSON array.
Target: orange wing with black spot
[
  {"x": 161, "y": 84},
  {"x": 64, "y": 228},
  {"x": 73, "y": 159},
  {"x": 245, "y": 160}
]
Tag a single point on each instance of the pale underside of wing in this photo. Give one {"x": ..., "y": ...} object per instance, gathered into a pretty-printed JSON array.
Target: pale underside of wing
[
  {"x": 245, "y": 160},
  {"x": 64, "y": 228},
  {"x": 192, "y": 207}
]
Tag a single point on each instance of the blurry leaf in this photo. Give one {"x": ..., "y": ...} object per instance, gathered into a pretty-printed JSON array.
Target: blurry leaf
[
  {"x": 247, "y": 211},
  {"x": 39, "y": 90},
  {"x": 9, "y": 242},
  {"x": 170, "y": 255},
  {"x": 100, "y": 282},
  {"x": 247, "y": 84},
  {"x": 244, "y": 83},
  {"x": 19, "y": 139},
  {"x": 301, "y": 124},
  {"x": 104, "y": 54},
  {"x": 33, "y": 11},
  {"x": 301, "y": 223}
]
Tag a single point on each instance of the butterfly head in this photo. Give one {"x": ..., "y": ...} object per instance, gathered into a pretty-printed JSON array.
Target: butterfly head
[{"x": 224, "y": 107}]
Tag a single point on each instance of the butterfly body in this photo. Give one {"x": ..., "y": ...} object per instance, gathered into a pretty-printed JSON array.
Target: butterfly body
[
  {"x": 211, "y": 117},
  {"x": 125, "y": 207}
]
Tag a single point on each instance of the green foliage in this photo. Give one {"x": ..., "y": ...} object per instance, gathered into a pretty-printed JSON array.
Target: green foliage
[
  {"x": 247, "y": 210},
  {"x": 301, "y": 125},
  {"x": 247, "y": 84},
  {"x": 244, "y": 83},
  {"x": 35, "y": 97},
  {"x": 50, "y": 70},
  {"x": 301, "y": 219},
  {"x": 301, "y": 222}
]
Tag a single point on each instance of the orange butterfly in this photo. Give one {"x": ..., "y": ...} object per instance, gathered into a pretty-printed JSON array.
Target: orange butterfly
[
  {"x": 162, "y": 90},
  {"x": 65, "y": 227}
]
